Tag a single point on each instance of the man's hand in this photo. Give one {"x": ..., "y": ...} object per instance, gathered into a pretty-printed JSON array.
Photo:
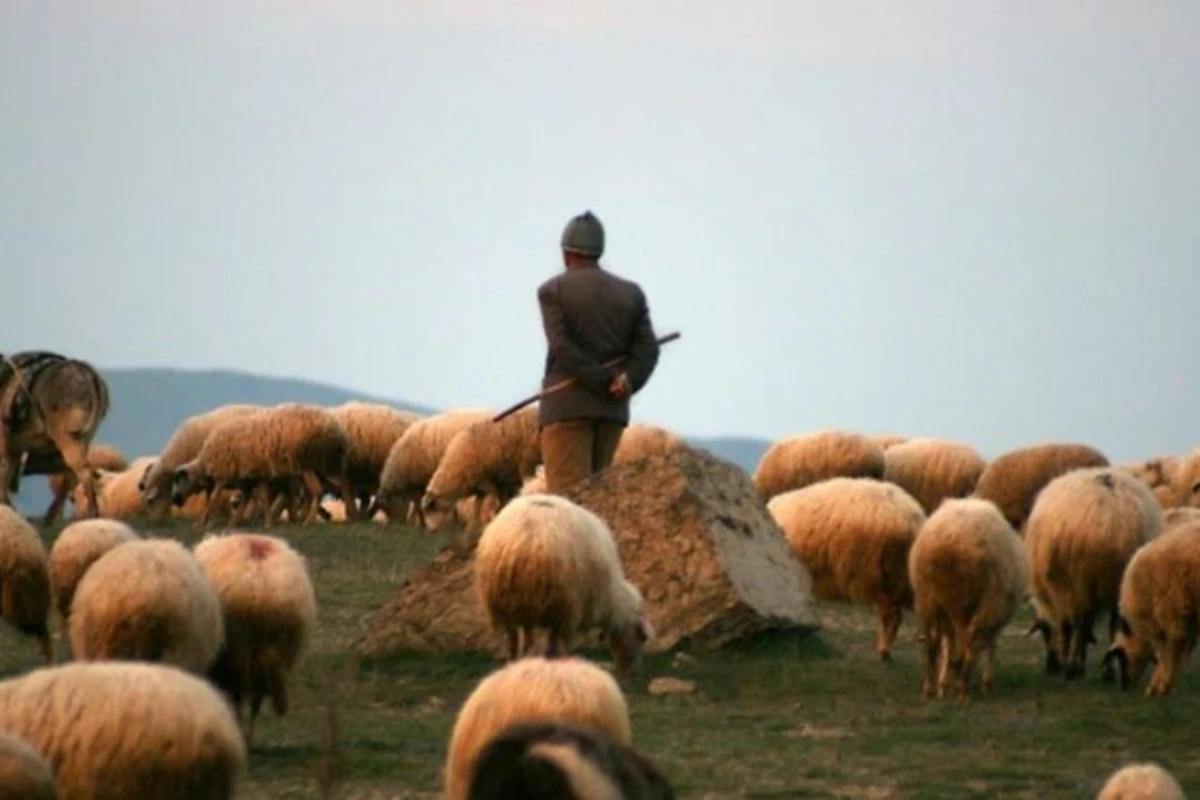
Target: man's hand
[{"x": 620, "y": 388}]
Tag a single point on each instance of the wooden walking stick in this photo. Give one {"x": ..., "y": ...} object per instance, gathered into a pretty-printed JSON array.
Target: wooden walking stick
[{"x": 556, "y": 387}]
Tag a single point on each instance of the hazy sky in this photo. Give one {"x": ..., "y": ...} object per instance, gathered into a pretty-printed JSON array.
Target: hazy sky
[{"x": 970, "y": 220}]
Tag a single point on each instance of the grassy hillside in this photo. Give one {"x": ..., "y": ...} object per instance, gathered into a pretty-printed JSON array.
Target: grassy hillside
[
  {"x": 821, "y": 717},
  {"x": 148, "y": 404}
]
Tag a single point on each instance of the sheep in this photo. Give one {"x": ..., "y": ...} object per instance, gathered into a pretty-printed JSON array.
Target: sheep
[
  {"x": 1186, "y": 480},
  {"x": 484, "y": 458},
  {"x": 640, "y": 440},
  {"x": 1160, "y": 474},
  {"x": 117, "y": 493},
  {"x": 270, "y": 613},
  {"x": 147, "y": 600},
  {"x": 25, "y": 774},
  {"x": 372, "y": 429},
  {"x": 572, "y": 691},
  {"x": 414, "y": 458},
  {"x": 1012, "y": 481},
  {"x": 25, "y": 597},
  {"x": 1179, "y": 516},
  {"x": 1082, "y": 531},
  {"x": 1141, "y": 781},
  {"x": 1159, "y": 610},
  {"x": 119, "y": 730},
  {"x": 800, "y": 461},
  {"x": 182, "y": 447},
  {"x": 969, "y": 572},
  {"x": 535, "y": 484},
  {"x": 553, "y": 761},
  {"x": 853, "y": 535},
  {"x": 546, "y": 562},
  {"x": 77, "y": 547},
  {"x": 932, "y": 470},
  {"x": 63, "y": 484},
  {"x": 269, "y": 448}
]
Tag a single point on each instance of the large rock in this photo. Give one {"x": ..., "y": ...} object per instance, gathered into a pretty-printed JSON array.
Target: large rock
[{"x": 693, "y": 536}]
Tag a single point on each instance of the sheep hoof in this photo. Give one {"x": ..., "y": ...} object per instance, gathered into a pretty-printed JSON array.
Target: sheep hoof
[{"x": 885, "y": 656}]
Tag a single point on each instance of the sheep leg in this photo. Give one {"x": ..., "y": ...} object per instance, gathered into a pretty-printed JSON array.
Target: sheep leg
[
  {"x": 1168, "y": 666},
  {"x": 945, "y": 661},
  {"x": 342, "y": 484},
  {"x": 316, "y": 491},
  {"x": 889, "y": 626},
  {"x": 213, "y": 493},
  {"x": 988, "y": 682},
  {"x": 1081, "y": 634},
  {"x": 929, "y": 669}
]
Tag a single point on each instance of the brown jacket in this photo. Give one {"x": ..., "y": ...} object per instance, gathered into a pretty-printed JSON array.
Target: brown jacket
[{"x": 592, "y": 316}]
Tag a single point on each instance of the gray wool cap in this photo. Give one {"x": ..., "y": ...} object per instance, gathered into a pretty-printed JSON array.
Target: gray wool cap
[{"x": 584, "y": 235}]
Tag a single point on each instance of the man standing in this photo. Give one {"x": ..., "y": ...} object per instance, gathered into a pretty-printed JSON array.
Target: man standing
[{"x": 591, "y": 316}]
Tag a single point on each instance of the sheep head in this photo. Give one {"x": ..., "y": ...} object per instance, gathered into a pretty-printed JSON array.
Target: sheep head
[
  {"x": 436, "y": 509},
  {"x": 627, "y": 642},
  {"x": 1127, "y": 658},
  {"x": 187, "y": 480}
]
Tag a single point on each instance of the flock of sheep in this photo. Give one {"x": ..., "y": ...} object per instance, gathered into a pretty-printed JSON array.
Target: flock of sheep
[{"x": 900, "y": 524}]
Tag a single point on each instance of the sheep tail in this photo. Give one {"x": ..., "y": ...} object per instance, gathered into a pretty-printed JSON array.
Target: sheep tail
[{"x": 586, "y": 780}]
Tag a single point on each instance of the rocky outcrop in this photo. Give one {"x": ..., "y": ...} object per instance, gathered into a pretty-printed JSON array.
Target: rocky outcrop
[{"x": 693, "y": 536}]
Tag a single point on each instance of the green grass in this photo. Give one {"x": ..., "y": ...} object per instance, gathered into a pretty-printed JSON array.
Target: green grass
[{"x": 820, "y": 717}]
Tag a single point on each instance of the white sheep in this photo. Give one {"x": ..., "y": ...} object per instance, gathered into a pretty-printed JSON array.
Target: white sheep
[
  {"x": 122, "y": 730},
  {"x": 1082, "y": 531},
  {"x": 932, "y": 470},
  {"x": 1141, "y": 781},
  {"x": 545, "y": 562},
  {"x": 372, "y": 428},
  {"x": 413, "y": 460},
  {"x": 147, "y": 600},
  {"x": 853, "y": 535},
  {"x": 1159, "y": 610},
  {"x": 532, "y": 689},
  {"x": 799, "y": 461},
  {"x": 182, "y": 447},
  {"x": 483, "y": 459},
  {"x": 270, "y": 611},
  {"x": 77, "y": 547},
  {"x": 25, "y": 596},
  {"x": 266, "y": 451},
  {"x": 1013, "y": 480},
  {"x": 117, "y": 492},
  {"x": 969, "y": 573}
]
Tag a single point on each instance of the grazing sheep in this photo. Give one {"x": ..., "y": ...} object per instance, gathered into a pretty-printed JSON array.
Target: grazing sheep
[
  {"x": 886, "y": 441},
  {"x": 1082, "y": 531},
  {"x": 265, "y": 450},
  {"x": 1160, "y": 474},
  {"x": 1147, "y": 781},
  {"x": 1186, "y": 480},
  {"x": 1012, "y": 481},
  {"x": 25, "y": 774},
  {"x": 79, "y": 546},
  {"x": 932, "y": 470},
  {"x": 62, "y": 485},
  {"x": 116, "y": 492},
  {"x": 1182, "y": 515},
  {"x": 570, "y": 691},
  {"x": 413, "y": 460},
  {"x": 969, "y": 572},
  {"x": 800, "y": 461},
  {"x": 182, "y": 447},
  {"x": 372, "y": 428},
  {"x": 1160, "y": 610},
  {"x": 25, "y": 597},
  {"x": 640, "y": 440},
  {"x": 553, "y": 761},
  {"x": 147, "y": 600},
  {"x": 270, "y": 611},
  {"x": 545, "y": 562},
  {"x": 484, "y": 458},
  {"x": 853, "y": 535},
  {"x": 122, "y": 730}
]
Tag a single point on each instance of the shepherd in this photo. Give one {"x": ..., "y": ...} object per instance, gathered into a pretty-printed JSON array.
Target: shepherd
[{"x": 591, "y": 317}]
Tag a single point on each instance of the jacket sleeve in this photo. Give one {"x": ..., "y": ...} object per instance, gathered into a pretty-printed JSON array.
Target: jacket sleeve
[
  {"x": 568, "y": 355},
  {"x": 643, "y": 355}
]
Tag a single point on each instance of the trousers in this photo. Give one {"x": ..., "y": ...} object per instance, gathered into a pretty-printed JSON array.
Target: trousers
[{"x": 575, "y": 449}]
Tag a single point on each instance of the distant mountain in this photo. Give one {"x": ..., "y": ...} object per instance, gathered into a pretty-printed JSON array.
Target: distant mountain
[{"x": 149, "y": 403}]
